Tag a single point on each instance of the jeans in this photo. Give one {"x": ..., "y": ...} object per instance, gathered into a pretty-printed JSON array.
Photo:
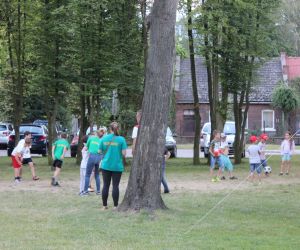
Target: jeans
[
  {"x": 163, "y": 177},
  {"x": 107, "y": 177},
  {"x": 93, "y": 161}
]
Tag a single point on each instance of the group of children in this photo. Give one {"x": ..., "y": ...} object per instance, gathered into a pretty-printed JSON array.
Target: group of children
[{"x": 256, "y": 153}]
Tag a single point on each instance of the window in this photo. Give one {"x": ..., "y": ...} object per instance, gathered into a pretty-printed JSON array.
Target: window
[
  {"x": 268, "y": 118},
  {"x": 188, "y": 122},
  {"x": 188, "y": 112}
]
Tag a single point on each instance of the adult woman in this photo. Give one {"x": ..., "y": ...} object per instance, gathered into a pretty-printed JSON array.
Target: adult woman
[{"x": 113, "y": 147}]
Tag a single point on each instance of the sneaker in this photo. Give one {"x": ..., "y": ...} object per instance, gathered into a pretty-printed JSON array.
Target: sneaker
[
  {"x": 105, "y": 208},
  {"x": 84, "y": 194},
  {"x": 53, "y": 181},
  {"x": 115, "y": 208},
  {"x": 17, "y": 181},
  {"x": 167, "y": 191},
  {"x": 233, "y": 178},
  {"x": 280, "y": 174},
  {"x": 98, "y": 193},
  {"x": 56, "y": 184},
  {"x": 287, "y": 173},
  {"x": 223, "y": 178},
  {"x": 35, "y": 178},
  {"x": 90, "y": 189}
]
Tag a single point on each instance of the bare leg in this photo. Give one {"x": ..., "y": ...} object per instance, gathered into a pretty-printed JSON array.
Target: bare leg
[
  {"x": 17, "y": 172},
  {"x": 288, "y": 166},
  {"x": 32, "y": 169},
  {"x": 56, "y": 172},
  {"x": 282, "y": 167}
]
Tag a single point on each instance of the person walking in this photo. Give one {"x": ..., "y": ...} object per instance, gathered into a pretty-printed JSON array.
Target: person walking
[
  {"x": 92, "y": 145},
  {"x": 113, "y": 146}
]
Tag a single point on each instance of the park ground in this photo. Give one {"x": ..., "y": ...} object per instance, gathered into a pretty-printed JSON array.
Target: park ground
[{"x": 34, "y": 215}]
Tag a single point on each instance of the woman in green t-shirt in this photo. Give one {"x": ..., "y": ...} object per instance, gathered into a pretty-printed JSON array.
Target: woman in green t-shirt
[{"x": 113, "y": 146}]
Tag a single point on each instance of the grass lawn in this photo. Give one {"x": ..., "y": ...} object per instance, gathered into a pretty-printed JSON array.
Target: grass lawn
[{"x": 34, "y": 215}]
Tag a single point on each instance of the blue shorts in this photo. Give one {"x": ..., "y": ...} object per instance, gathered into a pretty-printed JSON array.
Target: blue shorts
[
  {"x": 286, "y": 157},
  {"x": 214, "y": 160},
  {"x": 226, "y": 163},
  {"x": 255, "y": 167},
  {"x": 264, "y": 163}
]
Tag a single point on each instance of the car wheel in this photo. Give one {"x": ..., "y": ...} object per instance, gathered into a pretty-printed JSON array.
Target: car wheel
[
  {"x": 174, "y": 152},
  {"x": 45, "y": 152},
  {"x": 9, "y": 151},
  {"x": 206, "y": 155}
]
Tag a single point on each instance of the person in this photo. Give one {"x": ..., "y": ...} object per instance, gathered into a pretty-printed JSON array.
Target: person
[
  {"x": 166, "y": 156},
  {"x": 215, "y": 156},
  {"x": 59, "y": 149},
  {"x": 135, "y": 130},
  {"x": 27, "y": 156},
  {"x": 224, "y": 152},
  {"x": 262, "y": 148},
  {"x": 287, "y": 149},
  {"x": 93, "y": 145},
  {"x": 254, "y": 158},
  {"x": 102, "y": 131},
  {"x": 17, "y": 157},
  {"x": 85, "y": 157},
  {"x": 113, "y": 147}
]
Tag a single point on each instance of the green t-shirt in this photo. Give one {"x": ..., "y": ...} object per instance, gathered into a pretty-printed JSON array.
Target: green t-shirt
[
  {"x": 113, "y": 160},
  {"x": 60, "y": 146},
  {"x": 93, "y": 144}
]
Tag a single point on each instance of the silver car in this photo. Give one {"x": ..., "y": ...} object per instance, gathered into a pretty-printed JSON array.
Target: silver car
[
  {"x": 5, "y": 131},
  {"x": 229, "y": 131}
]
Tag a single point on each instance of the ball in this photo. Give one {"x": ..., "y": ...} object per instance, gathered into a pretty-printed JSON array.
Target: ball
[{"x": 267, "y": 170}]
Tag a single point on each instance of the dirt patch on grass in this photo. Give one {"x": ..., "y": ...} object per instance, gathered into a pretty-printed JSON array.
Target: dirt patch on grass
[{"x": 178, "y": 183}]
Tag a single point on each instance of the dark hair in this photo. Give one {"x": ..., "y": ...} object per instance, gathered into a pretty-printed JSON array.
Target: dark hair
[
  {"x": 84, "y": 139},
  {"x": 27, "y": 133},
  {"x": 63, "y": 135},
  {"x": 114, "y": 127}
]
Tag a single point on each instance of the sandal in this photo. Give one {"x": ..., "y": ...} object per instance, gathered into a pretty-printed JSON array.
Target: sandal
[{"x": 35, "y": 178}]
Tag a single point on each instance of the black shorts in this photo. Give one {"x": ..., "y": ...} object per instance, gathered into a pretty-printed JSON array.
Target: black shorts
[
  {"x": 57, "y": 163},
  {"x": 26, "y": 161}
]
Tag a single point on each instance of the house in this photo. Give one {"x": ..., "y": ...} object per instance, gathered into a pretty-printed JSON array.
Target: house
[{"x": 262, "y": 117}]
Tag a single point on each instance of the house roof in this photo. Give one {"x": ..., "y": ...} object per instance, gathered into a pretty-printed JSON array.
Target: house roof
[{"x": 267, "y": 77}]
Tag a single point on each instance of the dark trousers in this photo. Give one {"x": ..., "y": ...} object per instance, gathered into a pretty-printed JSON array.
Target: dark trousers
[{"x": 107, "y": 177}]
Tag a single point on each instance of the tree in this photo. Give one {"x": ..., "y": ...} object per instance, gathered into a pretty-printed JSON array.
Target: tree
[
  {"x": 196, "y": 159},
  {"x": 284, "y": 98},
  {"x": 143, "y": 190}
]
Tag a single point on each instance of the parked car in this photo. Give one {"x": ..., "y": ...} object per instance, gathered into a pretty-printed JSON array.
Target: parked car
[
  {"x": 39, "y": 139},
  {"x": 229, "y": 130},
  {"x": 58, "y": 127},
  {"x": 5, "y": 130}
]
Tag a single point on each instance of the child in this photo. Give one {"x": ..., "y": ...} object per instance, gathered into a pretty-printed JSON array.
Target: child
[
  {"x": 262, "y": 148},
  {"x": 17, "y": 158},
  {"x": 254, "y": 158},
  {"x": 166, "y": 156},
  {"x": 287, "y": 149},
  {"x": 224, "y": 151},
  {"x": 215, "y": 156},
  {"x": 85, "y": 157},
  {"x": 59, "y": 149}
]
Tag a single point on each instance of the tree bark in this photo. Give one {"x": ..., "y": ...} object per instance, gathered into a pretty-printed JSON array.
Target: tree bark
[
  {"x": 143, "y": 190},
  {"x": 196, "y": 158}
]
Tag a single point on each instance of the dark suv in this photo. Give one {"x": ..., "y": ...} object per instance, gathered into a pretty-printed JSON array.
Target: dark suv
[{"x": 39, "y": 139}]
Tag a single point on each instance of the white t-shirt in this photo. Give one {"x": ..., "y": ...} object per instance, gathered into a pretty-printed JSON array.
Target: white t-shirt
[
  {"x": 85, "y": 157},
  {"x": 135, "y": 132},
  {"x": 224, "y": 144},
  {"x": 21, "y": 149},
  {"x": 262, "y": 149},
  {"x": 287, "y": 147},
  {"x": 253, "y": 151}
]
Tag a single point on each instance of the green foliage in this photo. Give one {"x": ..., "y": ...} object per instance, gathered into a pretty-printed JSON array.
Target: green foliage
[{"x": 284, "y": 98}]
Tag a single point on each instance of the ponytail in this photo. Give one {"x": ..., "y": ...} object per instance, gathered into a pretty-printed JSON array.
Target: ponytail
[{"x": 114, "y": 127}]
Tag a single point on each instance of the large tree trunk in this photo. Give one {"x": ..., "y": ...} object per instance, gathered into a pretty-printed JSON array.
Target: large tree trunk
[
  {"x": 196, "y": 158},
  {"x": 143, "y": 190}
]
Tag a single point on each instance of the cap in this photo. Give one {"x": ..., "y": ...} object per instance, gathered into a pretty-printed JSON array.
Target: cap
[
  {"x": 253, "y": 138},
  {"x": 264, "y": 137}
]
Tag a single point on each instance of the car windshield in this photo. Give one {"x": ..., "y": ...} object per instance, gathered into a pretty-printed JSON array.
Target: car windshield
[
  {"x": 2, "y": 127},
  {"x": 31, "y": 129},
  {"x": 229, "y": 128}
]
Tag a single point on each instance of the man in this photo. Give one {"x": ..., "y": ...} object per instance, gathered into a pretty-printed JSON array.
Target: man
[
  {"x": 136, "y": 129},
  {"x": 27, "y": 156}
]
